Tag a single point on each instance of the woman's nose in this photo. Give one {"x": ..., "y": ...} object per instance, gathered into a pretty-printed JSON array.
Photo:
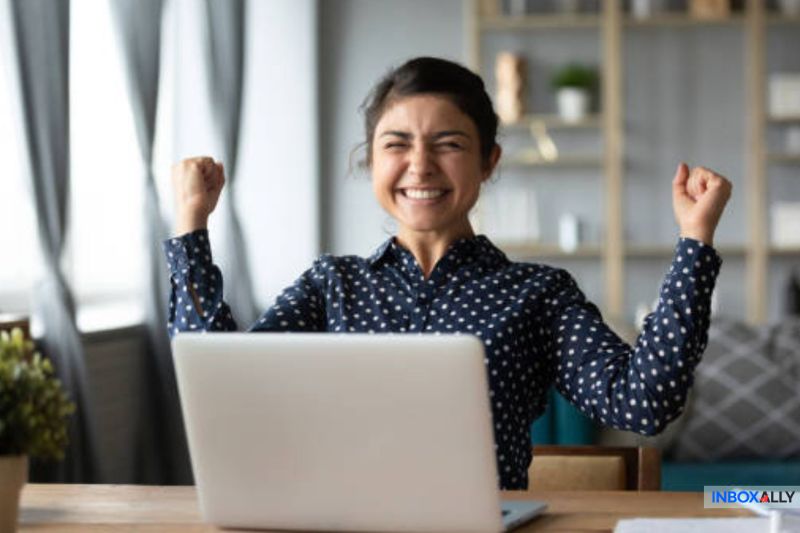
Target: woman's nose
[{"x": 421, "y": 163}]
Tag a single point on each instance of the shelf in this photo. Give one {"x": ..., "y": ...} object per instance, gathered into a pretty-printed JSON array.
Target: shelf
[
  {"x": 524, "y": 249},
  {"x": 555, "y": 122},
  {"x": 673, "y": 20},
  {"x": 551, "y": 251},
  {"x": 789, "y": 159},
  {"x": 567, "y": 161},
  {"x": 655, "y": 251},
  {"x": 527, "y": 22},
  {"x": 791, "y": 119},
  {"x": 782, "y": 20},
  {"x": 784, "y": 251}
]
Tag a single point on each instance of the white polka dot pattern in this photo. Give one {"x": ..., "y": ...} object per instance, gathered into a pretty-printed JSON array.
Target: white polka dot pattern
[{"x": 536, "y": 325}]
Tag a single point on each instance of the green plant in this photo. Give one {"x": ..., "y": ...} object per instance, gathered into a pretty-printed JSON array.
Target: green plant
[
  {"x": 575, "y": 76},
  {"x": 33, "y": 407}
]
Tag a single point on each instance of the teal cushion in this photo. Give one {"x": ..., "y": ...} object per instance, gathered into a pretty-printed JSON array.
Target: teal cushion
[
  {"x": 693, "y": 476},
  {"x": 562, "y": 423}
]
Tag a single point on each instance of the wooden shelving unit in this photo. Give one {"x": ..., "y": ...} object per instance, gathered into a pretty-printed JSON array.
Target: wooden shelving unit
[
  {"x": 567, "y": 161},
  {"x": 678, "y": 20},
  {"x": 528, "y": 250},
  {"x": 556, "y": 122},
  {"x": 790, "y": 159},
  {"x": 534, "y": 22},
  {"x": 611, "y": 23}
]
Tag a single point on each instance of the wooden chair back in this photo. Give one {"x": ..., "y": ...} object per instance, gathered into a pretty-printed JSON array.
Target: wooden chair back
[{"x": 595, "y": 468}]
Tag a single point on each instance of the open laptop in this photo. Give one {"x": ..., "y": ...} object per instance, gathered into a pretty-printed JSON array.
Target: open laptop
[{"x": 342, "y": 432}]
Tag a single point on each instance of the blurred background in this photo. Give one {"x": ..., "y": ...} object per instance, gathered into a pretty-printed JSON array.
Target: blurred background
[{"x": 599, "y": 102}]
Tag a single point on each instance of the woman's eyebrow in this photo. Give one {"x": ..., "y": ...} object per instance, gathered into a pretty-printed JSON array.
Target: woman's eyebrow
[
  {"x": 395, "y": 133},
  {"x": 438, "y": 135},
  {"x": 449, "y": 133}
]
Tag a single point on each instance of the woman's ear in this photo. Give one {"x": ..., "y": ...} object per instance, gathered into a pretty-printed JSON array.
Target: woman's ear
[{"x": 494, "y": 158}]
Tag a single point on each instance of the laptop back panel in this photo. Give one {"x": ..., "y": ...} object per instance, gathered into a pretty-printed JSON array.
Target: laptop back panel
[{"x": 343, "y": 432}]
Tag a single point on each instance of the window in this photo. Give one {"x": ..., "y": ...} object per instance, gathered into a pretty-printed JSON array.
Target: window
[
  {"x": 105, "y": 259},
  {"x": 18, "y": 244},
  {"x": 107, "y": 216}
]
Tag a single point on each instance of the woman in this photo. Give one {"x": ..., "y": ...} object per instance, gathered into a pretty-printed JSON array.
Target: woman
[{"x": 430, "y": 138}]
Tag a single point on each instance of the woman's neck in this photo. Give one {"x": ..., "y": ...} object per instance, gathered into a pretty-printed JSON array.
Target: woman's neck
[{"x": 428, "y": 247}]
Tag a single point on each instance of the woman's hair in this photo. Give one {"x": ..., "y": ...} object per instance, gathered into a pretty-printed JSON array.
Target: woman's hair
[{"x": 431, "y": 75}]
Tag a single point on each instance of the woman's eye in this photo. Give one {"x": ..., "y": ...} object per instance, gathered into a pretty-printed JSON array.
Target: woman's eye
[
  {"x": 450, "y": 145},
  {"x": 391, "y": 146}
]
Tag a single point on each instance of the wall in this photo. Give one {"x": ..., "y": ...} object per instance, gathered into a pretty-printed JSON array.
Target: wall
[
  {"x": 359, "y": 41},
  {"x": 278, "y": 168}
]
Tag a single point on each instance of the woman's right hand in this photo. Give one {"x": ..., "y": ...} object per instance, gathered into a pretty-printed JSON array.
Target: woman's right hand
[{"x": 197, "y": 183}]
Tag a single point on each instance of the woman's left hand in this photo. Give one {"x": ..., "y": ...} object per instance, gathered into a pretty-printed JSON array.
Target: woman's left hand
[{"x": 698, "y": 199}]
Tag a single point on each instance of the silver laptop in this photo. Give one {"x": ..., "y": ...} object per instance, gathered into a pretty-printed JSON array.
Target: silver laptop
[{"x": 342, "y": 432}]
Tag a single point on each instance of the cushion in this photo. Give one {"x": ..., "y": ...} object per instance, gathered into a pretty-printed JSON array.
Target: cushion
[
  {"x": 576, "y": 472},
  {"x": 746, "y": 398}
]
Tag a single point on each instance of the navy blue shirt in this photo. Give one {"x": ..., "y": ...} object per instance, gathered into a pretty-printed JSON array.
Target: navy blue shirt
[{"x": 537, "y": 327}]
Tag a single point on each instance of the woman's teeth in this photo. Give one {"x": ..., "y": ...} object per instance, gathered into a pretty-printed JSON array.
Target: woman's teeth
[{"x": 423, "y": 194}]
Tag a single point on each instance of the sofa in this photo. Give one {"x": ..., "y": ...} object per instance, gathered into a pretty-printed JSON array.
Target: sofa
[{"x": 741, "y": 424}]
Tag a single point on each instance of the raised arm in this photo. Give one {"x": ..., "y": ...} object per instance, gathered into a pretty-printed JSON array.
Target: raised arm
[
  {"x": 197, "y": 183},
  {"x": 196, "y": 283},
  {"x": 642, "y": 388},
  {"x": 196, "y": 296}
]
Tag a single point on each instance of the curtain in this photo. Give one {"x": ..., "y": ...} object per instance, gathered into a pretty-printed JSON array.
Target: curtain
[
  {"x": 225, "y": 69},
  {"x": 164, "y": 456},
  {"x": 41, "y": 57}
]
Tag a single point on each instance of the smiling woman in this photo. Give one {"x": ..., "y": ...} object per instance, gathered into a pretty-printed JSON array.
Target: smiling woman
[
  {"x": 430, "y": 132},
  {"x": 427, "y": 172}
]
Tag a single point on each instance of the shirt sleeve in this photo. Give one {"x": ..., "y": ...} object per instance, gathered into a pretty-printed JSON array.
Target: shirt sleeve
[
  {"x": 195, "y": 302},
  {"x": 639, "y": 388},
  {"x": 196, "y": 297}
]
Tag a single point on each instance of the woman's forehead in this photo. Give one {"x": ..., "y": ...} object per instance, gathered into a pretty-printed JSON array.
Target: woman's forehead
[{"x": 426, "y": 112}]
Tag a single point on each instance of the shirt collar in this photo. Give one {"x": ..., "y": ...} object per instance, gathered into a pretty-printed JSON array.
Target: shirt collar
[{"x": 466, "y": 249}]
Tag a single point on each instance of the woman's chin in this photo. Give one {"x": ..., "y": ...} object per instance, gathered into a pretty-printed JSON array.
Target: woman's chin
[{"x": 421, "y": 226}]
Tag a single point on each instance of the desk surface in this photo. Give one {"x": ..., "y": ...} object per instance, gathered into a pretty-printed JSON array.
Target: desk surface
[{"x": 95, "y": 508}]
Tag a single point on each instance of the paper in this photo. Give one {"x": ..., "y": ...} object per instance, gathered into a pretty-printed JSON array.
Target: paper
[{"x": 699, "y": 525}]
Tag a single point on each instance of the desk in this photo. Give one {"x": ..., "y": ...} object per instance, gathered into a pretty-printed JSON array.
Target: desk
[{"x": 113, "y": 508}]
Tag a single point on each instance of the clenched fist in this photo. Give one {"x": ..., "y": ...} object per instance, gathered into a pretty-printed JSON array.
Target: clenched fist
[
  {"x": 197, "y": 183},
  {"x": 698, "y": 199}
]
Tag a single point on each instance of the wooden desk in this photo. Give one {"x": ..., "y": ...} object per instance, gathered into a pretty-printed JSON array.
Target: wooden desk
[{"x": 95, "y": 508}]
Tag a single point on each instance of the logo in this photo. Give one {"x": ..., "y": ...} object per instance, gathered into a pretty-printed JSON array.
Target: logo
[{"x": 766, "y": 497}]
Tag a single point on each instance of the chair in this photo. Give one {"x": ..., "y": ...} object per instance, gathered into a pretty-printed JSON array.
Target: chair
[{"x": 595, "y": 468}]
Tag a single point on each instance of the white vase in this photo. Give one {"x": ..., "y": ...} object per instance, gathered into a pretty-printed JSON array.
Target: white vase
[
  {"x": 13, "y": 475},
  {"x": 573, "y": 103},
  {"x": 643, "y": 9}
]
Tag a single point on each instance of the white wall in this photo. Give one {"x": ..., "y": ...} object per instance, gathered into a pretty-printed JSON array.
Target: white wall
[
  {"x": 359, "y": 41},
  {"x": 278, "y": 170}
]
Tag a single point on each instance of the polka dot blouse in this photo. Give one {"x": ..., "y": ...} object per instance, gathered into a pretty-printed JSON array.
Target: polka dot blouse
[{"x": 535, "y": 323}]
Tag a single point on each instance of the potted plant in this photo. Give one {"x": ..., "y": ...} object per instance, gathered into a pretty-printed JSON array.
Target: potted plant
[
  {"x": 574, "y": 85},
  {"x": 33, "y": 418}
]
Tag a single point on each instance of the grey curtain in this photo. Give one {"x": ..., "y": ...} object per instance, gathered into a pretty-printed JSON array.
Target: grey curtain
[
  {"x": 164, "y": 456},
  {"x": 41, "y": 54},
  {"x": 225, "y": 61}
]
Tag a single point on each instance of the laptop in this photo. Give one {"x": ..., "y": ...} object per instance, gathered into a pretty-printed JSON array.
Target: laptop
[{"x": 348, "y": 432}]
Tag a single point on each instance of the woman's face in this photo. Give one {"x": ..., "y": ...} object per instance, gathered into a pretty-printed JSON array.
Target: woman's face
[{"x": 426, "y": 165}]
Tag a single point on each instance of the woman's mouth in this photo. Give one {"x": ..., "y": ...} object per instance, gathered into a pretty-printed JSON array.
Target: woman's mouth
[{"x": 423, "y": 196}]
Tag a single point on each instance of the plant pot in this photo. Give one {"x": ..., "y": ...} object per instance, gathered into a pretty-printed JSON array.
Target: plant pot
[
  {"x": 13, "y": 476},
  {"x": 573, "y": 103}
]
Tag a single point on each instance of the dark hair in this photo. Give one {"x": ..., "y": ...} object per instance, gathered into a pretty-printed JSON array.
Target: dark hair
[{"x": 426, "y": 75}]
